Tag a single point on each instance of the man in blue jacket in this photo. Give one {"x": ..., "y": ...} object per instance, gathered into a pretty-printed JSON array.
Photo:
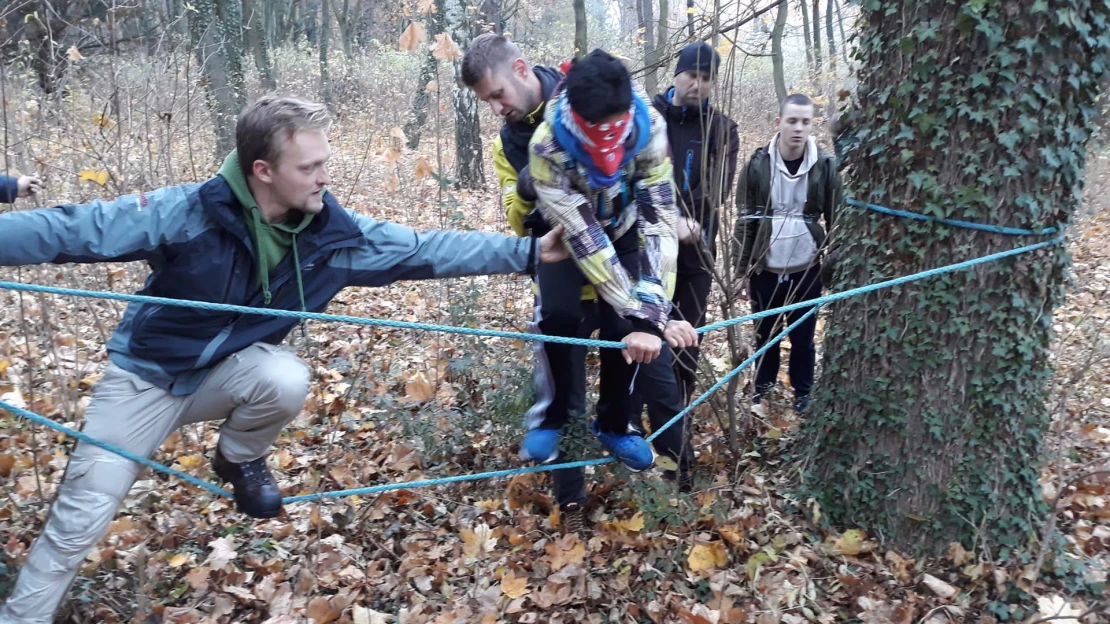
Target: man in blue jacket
[
  {"x": 12, "y": 188},
  {"x": 264, "y": 232}
]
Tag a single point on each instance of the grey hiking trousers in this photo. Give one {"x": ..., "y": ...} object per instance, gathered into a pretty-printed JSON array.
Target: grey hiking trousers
[{"x": 255, "y": 392}]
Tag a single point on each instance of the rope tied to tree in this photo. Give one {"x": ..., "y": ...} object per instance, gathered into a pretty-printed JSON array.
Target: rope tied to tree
[{"x": 814, "y": 305}]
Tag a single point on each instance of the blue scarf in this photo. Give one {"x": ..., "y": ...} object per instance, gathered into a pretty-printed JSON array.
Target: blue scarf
[{"x": 641, "y": 134}]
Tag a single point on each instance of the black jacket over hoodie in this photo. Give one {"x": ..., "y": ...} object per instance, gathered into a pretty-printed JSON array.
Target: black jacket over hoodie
[{"x": 702, "y": 142}]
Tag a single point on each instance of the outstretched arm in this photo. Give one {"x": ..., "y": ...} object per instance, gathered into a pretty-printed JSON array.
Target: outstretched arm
[
  {"x": 133, "y": 227},
  {"x": 392, "y": 252}
]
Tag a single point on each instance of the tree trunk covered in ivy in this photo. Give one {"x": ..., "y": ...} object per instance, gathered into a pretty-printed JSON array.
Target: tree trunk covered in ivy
[
  {"x": 216, "y": 30},
  {"x": 930, "y": 411},
  {"x": 470, "y": 172}
]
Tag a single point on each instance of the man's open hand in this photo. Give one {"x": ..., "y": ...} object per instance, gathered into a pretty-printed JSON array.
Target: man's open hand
[
  {"x": 552, "y": 248},
  {"x": 28, "y": 185},
  {"x": 680, "y": 334},
  {"x": 641, "y": 347},
  {"x": 740, "y": 289},
  {"x": 689, "y": 230}
]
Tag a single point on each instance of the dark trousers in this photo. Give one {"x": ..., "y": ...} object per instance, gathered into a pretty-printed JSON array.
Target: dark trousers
[
  {"x": 691, "y": 298},
  {"x": 561, "y": 314},
  {"x": 772, "y": 290}
]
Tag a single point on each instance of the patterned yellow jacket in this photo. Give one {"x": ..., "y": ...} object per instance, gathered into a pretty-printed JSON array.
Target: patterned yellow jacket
[
  {"x": 515, "y": 207},
  {"x": 644, "y": 198}
]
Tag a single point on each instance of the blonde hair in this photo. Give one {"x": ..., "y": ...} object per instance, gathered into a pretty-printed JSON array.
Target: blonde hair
[{"x": 271, "y": 121}]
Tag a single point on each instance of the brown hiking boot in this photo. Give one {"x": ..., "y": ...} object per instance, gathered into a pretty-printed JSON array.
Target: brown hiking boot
[{"x": 573, "y": 516}]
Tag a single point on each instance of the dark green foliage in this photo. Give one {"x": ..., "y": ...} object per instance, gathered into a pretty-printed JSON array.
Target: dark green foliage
[{"x": 929, "y": 416}]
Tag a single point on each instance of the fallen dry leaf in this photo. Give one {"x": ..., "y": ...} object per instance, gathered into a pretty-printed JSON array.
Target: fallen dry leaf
[
  {"x": 514, "y": 586},
  {"x": 223, "y": 552},
  {"x": 567, "y": 551},
  {"x": 939, "y": 587},
  {"x": 478, "y": 541},
  {"x": 707, "y": 557},
  {"x": 852, "y": 542},
  {"x": 1058, "y": 609},
  {"x": 413, "y": 36}
]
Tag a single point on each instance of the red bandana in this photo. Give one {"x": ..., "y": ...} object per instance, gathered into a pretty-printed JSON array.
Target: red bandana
[{"x": 605, "y": 141}]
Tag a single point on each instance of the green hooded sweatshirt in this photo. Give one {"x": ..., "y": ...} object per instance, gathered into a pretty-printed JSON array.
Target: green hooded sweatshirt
[{"x": 272, "y": 241}]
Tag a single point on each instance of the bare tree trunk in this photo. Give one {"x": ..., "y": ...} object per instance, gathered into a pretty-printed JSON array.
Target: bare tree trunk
[
  {"x": 843, "y": 37},
  {"x": 817, "y": 35},
  {"x": 664, "y": 31},
  {"x": 690, "y": 18},
  {"x": 647, "y": 24},
  {"x": 256, "y": 41},
  {"x": 829, "y": 33},
  {"x": 325, "y": 36},
  {"x": 311, "y": 23},
  {"x": 493, "y": 16},
  {"x": 580, "y": 38},
  {"x": 346, "y": 24},
  {"x": 776, "y": 52},
  {"x": 43, "y": 30},
  {"x": 806, "y": 34}
]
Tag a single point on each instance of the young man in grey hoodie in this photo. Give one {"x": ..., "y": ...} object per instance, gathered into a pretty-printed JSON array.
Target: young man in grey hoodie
[
  {"x": 785, "y": 191},
  {"x": 265, "y": 232}
]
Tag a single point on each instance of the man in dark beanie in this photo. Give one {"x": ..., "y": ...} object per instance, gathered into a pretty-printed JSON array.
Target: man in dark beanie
[
  {"x": 704, "y": 146},
  {"x": 601, "y": 169}
]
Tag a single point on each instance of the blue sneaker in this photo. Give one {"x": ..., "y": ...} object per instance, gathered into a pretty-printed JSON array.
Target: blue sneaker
[
  {"x": 630, "y": 450},
  {"x": 540, "y": 445}
]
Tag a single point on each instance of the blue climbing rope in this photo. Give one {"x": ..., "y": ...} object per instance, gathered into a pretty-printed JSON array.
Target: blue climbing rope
[
  {"x": 982, "y": 227},
  {"x": 111, "y": 448},
  {"x": 814, "y": 305},
  {"x": 734, "y": 372},
  {"x": 586, "y": 342},
  {"x": 42, "y": 420},
  {"x": 314, "y": 316},
  {"x": 544, "y": 468},
  {"x": 959, "y": 266}
]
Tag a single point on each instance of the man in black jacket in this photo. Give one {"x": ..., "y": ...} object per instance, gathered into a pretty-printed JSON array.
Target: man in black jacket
[
  {"x": 787, "y": 189},
  {"x": 517, "y": 91},
  {"x": 704, "y": 147}
]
